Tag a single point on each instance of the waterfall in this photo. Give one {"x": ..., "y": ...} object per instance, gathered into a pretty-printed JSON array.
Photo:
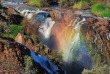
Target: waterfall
[
  {"x": 70, "y": 41},
  {"x": 95, "y": 41},
  {"x": 71, "y": 44},
  {"x": 108, "y": 35},
  {"x": 45, "y": 27}
]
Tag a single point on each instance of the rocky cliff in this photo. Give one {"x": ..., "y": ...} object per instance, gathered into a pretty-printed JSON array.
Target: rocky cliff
[
  {"x": 70, "y": 31},
  {"x": 16, "y": 57},
  {"x": 95, "y": 34}
]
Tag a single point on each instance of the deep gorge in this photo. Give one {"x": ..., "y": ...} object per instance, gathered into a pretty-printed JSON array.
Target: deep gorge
[{"x": 82, "y": 40}]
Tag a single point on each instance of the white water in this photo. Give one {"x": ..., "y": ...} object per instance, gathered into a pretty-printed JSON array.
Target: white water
[
  {"x": 24, "y": 9},
  {"x": 108, "y": 35},
  {"x": 73, "y": 50},
  {"x": 45, "y": 27},
  {"x": 75, "y": 41},
  {"x": 95, "y": 41}
]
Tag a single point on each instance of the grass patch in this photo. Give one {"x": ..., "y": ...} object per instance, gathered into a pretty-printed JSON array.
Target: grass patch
[
  {"x": 15, "y": 29},
  {"x": 101, "y": 9},
  {"x": 35, "y": 3},
  {"x": 78, "y": 5},
  {"x": 81, "y": 4},
  {"x": 94, "y": 2},
  {"x": 61, "y": 1}
]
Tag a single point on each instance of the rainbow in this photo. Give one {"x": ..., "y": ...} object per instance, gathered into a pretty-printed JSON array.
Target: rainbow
[{"x": 70, "y": 43}]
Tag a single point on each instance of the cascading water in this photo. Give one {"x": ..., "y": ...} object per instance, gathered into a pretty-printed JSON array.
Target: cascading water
[
  {"x": 70, "y": 43},
  {"x": 45, "y": 27},
  {"x": 68, "y": 40},
  {"x": 45, "y": 31}
]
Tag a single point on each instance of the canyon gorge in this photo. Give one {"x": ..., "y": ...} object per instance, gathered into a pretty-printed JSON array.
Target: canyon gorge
[{"x": 81, "y": 39}]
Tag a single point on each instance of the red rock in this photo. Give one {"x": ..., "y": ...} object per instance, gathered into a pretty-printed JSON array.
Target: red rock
[
  {"x": 91, "y": 20},
  {"x": 1, "y": 47},
  {"x": 11, "y": 11},
  {"x": 20, "y": 38},
  {"x": 29, "y": 44}
]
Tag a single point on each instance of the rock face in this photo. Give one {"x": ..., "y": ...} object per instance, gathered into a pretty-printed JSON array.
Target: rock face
[
  {"x": 10, "y": 62},
  {"x": 26, "y": 41},
  {"x": 97, "y": 29},
  {"x": 11, "y": 11},
  {"x": 1, "y": 47},
  {"x": 14, "y": 55},
  {"x": 20, "y": 38}
]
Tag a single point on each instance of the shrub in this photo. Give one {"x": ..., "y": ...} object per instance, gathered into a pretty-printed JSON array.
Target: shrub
[
  {"x": 4, "y": 27},
  {"x": 30, "y": 27},
  {"x": 28, "y": 63},
  {"x": 30, "y": 68},
  {"x": 98, "y": 70},
  {"x": 82, "y": 5},
  {"x": 101, "y": 9},
  {"x": 94, "y": 2}
]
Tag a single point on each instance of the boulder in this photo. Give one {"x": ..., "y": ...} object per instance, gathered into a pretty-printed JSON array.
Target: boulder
[
  {"x": 11, "y": 11},
  {"x": 30, "y": 44},
  {"x": 20, "y": 38}
]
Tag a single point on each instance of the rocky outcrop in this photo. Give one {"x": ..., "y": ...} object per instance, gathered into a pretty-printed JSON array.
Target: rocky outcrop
[
  {"x": 63, "y": 18},
  {"x": 99, "y": 28},
  {"x": 1, "y": 47},
  {"x": 9, "y": 15},
  {"x": 20, "y": 38},
  {"x": 10, "y": 57},
  {"x": 14, "y": 55},
  {"x": 26, "y": 41},
  {"x": 95, "y": 31},
  {"x": 11, "y": 11}
]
